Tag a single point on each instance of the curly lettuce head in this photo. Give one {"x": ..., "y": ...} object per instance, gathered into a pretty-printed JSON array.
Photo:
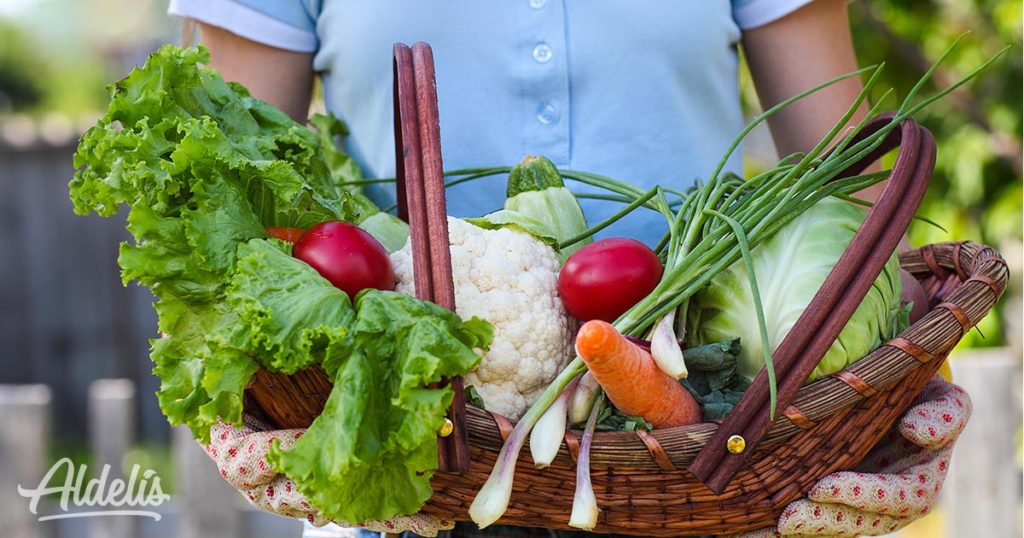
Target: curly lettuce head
[
  {"x": 789, "y": 268},
  {"x": 204, "y": 169}
]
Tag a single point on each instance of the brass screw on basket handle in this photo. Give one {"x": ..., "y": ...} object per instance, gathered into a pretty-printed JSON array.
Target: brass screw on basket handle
[
  {"x": 736, "y": 444},
  {"x": 446, "y": 428}
]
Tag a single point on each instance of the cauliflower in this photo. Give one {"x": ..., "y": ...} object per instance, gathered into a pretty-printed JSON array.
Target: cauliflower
[{"x": 510, "y": 279}]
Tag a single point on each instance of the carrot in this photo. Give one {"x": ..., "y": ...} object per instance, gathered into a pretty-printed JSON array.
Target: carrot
[
  {"x": 631, "y": 378},
  {"x": 284, "y": 233}
]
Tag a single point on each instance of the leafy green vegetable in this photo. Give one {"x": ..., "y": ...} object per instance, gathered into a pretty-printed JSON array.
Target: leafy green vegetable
[
  {"x": 504, "y": 218},
  {"x": 716, "y": 405},
  {"x": 712, "y": 357},
  {"x": 790, "y": 267},
  {"x": 371, "y": 454},
  {"x": 290, "y": 317},
  {"x": 473, "y": 397},
  {"x": 391, "y": 231},
  {"x": 713, "y": 378},
  {"x": 342, "y": 166},
  {"x": 205, "y": 169},
  {"x": 611, "y": 419}
]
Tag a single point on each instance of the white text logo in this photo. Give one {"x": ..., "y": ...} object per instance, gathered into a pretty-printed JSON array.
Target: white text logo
[{"x": 142, "y": 489}]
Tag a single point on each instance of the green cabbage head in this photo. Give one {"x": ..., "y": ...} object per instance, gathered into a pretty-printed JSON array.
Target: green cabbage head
[{"x": 790, "y": 267}]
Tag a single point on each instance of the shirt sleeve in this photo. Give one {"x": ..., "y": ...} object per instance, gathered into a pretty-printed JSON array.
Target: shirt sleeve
[
  {"x": 753, "y": 13},
  {"x": 285, "y": 24}
]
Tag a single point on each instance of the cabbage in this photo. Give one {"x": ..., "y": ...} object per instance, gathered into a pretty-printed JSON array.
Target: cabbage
[{"x": 790, "y": 267}]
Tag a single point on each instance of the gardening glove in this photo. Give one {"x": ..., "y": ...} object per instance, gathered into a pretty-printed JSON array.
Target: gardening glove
[
  {"x": 897, "y": 483},
  {"x": 240, "y": 454}
]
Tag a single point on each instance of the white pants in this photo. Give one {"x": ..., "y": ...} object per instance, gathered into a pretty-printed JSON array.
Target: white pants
[{"x": 334, "y": 531}]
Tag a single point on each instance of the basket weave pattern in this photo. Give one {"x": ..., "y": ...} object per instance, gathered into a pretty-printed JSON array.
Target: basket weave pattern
[
  {"x": 639, "y": 478},
  {"x": 831, "y": 425}
]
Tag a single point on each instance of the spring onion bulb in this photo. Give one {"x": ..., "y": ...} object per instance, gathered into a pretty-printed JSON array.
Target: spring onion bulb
[
  {"x": 583, "y": 399},
  {"x": 665, "y": 347},
  {"x": 584, "y": 503},
  {"x": 547, "y": 435},
  {"x": 492, "y": 499}
]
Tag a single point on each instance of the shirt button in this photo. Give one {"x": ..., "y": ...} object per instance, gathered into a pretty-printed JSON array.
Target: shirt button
[
  {"x": 537, "y": 4},
  {"x": 542, "y": 53},
  {"x": 547, "y": 113}
]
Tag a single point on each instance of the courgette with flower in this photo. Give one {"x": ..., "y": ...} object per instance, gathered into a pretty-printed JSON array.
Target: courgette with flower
[{"x": 535, "y": 189}]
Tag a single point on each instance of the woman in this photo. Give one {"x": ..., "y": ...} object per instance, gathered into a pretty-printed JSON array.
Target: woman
[{"x": 643, "y": 92}]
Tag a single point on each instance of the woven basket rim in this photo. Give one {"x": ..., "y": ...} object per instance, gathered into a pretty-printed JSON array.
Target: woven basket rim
[
  {"x": 972, "y": 277},
  {"x": 879, "y": 369}
]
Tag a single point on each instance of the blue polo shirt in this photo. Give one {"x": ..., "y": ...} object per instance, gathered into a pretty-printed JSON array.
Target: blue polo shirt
[{"x": 644, "y": 91}]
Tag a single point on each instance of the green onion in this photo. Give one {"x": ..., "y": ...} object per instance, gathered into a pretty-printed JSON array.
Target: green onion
[{"x": 762, "y": 327}]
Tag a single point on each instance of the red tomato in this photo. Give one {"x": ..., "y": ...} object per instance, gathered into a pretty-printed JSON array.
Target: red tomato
[
  {"x": 605, "y": 278},
  {"x": 285, "y": 233},
  {"x": 347, "y": 256}
]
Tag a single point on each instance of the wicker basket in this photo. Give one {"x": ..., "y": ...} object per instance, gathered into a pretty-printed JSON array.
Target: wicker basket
[{"x": 641, "y": 479}]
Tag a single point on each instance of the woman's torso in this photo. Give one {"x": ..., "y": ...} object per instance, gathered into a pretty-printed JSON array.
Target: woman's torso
[{"x": 643, "y": 92}]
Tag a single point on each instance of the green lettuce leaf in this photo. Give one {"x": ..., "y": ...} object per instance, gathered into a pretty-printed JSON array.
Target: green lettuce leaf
[
  {"x": 290, "y": 316},
  {"x": 372, "y": 451},
  {"x": 343, "y": 167},
  {"x": 391, "y": 231},
  {"x": 197, "y": 385},
  {"x": 204, "y": 168}
]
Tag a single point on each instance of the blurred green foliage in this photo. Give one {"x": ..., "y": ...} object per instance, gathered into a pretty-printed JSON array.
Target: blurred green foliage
[
  {"x": 40, "y": 77},
  {"x": 153, "y": 455},
  {"x": 79, "y": 87},
  {"x": 976, "y": 188},
  {"x": 21, "y": 77}
]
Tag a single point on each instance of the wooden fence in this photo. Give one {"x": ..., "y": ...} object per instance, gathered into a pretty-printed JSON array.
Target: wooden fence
[
  {"x": 65, "y": 318},
  {"x": 202, "y": 506},
  {"x": 982, "y": 495}
]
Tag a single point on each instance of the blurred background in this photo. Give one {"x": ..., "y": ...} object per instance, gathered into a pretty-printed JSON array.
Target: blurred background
[{"x": 74, "y": 370}]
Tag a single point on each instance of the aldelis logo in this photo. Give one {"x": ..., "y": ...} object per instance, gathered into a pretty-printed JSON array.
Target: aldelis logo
[{"x": 141, "y": 490}]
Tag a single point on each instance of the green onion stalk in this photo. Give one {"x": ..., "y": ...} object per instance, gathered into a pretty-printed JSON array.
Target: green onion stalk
[{"x": 717, "y": 224}]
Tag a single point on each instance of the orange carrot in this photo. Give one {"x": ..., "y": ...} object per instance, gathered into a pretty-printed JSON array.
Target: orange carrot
[
  {"x": 284, "y": 233},
  {"x": 631, "y": 378}
]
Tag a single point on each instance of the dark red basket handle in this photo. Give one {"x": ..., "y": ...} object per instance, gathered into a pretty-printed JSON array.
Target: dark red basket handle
[
  {"x": 421, "y": 203},
  {"x": 833, "y": 304}
]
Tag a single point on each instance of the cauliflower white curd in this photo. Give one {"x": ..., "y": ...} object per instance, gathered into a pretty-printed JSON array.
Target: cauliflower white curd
[{"x": 510, "y": 279}]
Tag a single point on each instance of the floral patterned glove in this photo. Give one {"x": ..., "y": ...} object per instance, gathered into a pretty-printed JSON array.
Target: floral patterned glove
[
  {"x": 898, "y": 481},
  {"x": 240, "y": 454}
]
